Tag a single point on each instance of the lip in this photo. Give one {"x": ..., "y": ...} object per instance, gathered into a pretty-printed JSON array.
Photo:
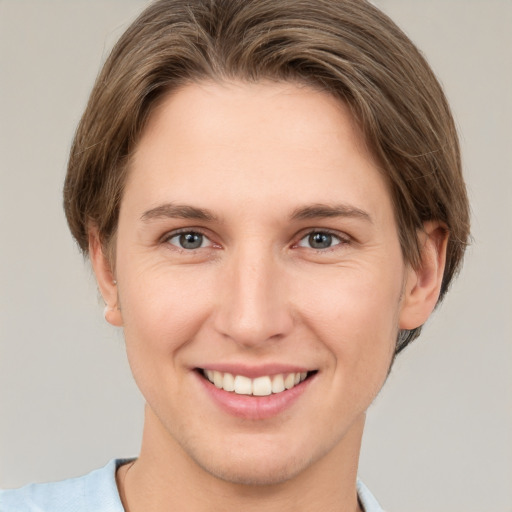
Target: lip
[
  {"x": 254, "y": 407},
  {"x": 255, "y": 371}
]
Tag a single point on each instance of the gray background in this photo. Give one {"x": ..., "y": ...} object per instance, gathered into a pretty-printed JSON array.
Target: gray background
[{"x": 439, "y": 437}]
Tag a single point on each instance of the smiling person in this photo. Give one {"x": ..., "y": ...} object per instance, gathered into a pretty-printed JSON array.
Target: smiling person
[{"x": 271, "y": 197}]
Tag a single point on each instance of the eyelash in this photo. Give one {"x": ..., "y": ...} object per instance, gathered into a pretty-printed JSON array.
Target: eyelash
[{"x": 342, "y": 240}]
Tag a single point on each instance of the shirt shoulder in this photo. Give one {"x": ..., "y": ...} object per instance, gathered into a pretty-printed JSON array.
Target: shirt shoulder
[
  {"x": 95, "y": 491},
  {"x": 98, "y": 491},
  {"x": 366, "y": 498}
]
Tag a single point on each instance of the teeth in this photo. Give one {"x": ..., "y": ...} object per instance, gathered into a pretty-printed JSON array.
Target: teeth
[
  {"x": 218, "y": 379},
  {"x": 289, "y": 381},
  {"x": 278, "y": 383},
  {"x": 261, "y": 386},
  {"x": 228, "y": 382},
  {"x": 243, "y": 385}
]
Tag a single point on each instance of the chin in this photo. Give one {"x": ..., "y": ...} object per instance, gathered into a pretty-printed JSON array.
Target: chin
[
  {"x": 255, "y": 473},
  {"x": 262, "y": 463}
]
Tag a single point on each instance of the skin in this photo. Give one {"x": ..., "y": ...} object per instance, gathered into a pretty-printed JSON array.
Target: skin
[{"x": 256, "y": 292}]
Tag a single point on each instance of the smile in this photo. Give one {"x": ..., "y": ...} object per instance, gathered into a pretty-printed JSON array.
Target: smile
[{"x": 260, "y": 386}]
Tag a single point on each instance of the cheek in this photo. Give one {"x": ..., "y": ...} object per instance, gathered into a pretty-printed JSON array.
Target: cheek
[
  {"x": 355, "y": 315},
  {"x": 162, "y": 311},
  {"x": 355, "y": 303},
  {"x": 161, "y": 314}
]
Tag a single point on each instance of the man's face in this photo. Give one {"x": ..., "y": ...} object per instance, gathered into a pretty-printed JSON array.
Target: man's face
[{"x": 256, "y": 241}]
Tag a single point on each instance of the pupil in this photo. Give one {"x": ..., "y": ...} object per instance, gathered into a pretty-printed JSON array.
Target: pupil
[
  {"x": 320, "y": 240},
  {"x": 191, "y": 240}
]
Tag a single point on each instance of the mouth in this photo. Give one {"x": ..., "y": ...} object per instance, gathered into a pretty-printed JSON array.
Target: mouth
[{"x": 260, "y": 386}]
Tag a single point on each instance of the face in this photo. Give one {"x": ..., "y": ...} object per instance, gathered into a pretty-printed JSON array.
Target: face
[{"x": 260, "y": 278}]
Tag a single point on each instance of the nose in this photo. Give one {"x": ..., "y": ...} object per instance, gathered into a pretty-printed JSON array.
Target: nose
[{"x": 254, "y": 307}]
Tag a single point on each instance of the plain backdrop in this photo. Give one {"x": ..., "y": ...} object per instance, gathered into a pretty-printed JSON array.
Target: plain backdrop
[{"x": 438, "y": 438}]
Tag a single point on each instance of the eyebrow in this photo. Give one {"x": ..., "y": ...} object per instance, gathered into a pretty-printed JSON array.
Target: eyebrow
[
  {"x": 178, "y": 211},
  {"x": 326, "y": 211}
]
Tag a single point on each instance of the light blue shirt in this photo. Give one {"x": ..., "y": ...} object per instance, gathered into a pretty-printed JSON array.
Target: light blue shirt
[{"x": 97, "y": 492}]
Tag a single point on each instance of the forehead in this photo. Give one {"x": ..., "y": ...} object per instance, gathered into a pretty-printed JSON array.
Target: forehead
[
  {"x": 233, "y": 114},
  {"x": 262, "y": 143}
]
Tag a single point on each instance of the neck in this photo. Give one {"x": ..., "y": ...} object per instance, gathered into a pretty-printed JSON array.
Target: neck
[{"x": 165, "y": 477}]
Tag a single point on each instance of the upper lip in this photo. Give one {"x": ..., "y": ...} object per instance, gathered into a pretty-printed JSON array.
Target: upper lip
[{"x": 253, "y": 371}]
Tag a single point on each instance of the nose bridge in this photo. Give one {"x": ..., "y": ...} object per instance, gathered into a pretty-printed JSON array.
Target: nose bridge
[{"x": 254, "y": 307}]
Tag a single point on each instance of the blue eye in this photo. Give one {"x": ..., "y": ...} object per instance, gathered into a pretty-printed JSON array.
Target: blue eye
[
  {"x": 189, "y": 240},
  {"x": 320, "y": 240}
]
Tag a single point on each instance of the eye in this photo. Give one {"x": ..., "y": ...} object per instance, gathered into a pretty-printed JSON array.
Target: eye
[
  {"x": 320, "y": 240},
  {"x": 189, "y": 240}
]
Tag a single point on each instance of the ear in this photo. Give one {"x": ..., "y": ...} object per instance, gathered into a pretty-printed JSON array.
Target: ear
[
  {"x": 105, "y": 278},
  {"x": 423, "y": 284}
]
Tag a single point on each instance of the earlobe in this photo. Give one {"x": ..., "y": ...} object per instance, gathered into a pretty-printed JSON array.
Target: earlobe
[
  {"x": 423, "y": 284},
  {"x": 105, "y": 278}
]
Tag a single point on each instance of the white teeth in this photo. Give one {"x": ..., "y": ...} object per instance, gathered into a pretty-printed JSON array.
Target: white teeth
[
  {"x": 260, "y": 386},
  {"x": 289, "y": 381},
  {"x": 243, "y": 385},
  {"x": 278, "y": 383},
  {"x": 229, "y": 382},
  {"x": 218, "y": 379}
]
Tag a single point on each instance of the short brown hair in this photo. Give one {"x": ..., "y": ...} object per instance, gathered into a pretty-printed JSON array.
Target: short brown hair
[{"x": 347, "y": 48}]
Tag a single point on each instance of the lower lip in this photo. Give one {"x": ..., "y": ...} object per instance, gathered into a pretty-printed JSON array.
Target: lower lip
[{"x": 254, "y": 407}]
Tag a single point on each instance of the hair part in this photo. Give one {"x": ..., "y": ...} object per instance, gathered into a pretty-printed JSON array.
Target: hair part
[{"x": 347, "y": 48}]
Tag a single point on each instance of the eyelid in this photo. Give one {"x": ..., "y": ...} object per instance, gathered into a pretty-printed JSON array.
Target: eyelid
[
  {"x": 165, "y": 239},
  {"x": 343, "y": 238}
]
